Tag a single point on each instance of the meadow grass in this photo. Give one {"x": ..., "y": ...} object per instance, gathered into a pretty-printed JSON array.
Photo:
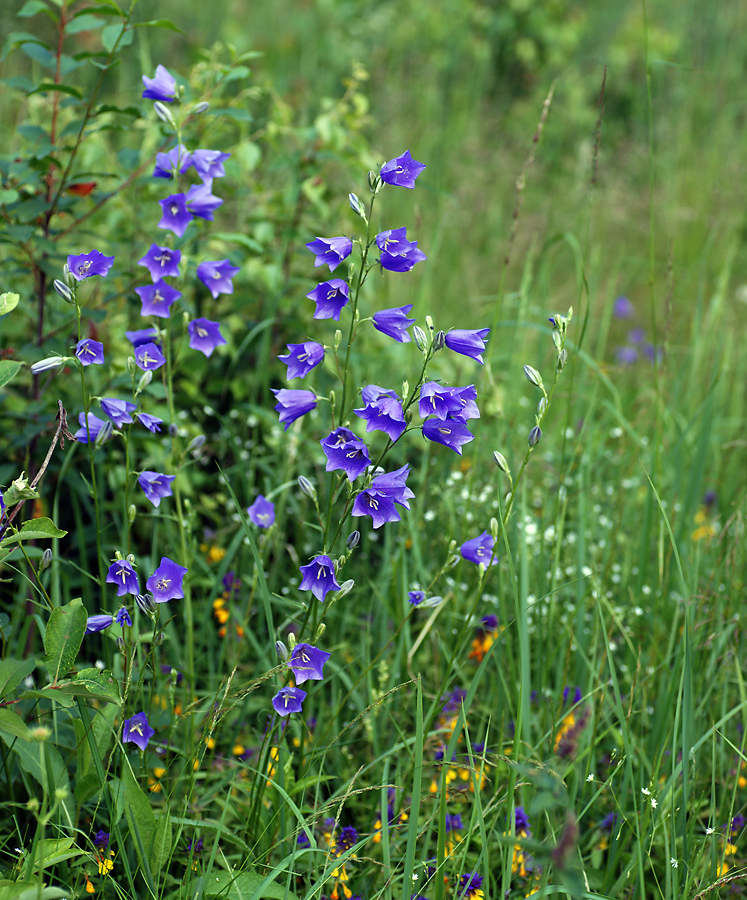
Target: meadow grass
[{"x": 587, "y": 738}]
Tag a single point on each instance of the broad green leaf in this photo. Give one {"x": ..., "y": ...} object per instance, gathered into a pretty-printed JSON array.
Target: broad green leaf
[
  {"x": 116, "y": 35},
  {"x": 8, "y": 370},
  {"x": 55, "y": 850},
  {"x": 35, "y": 530},
  {"x": 242, "y": 885},
  {"x": 238, "y": 238},
  {"x": 160, "y": 23},
  {"x": 8, "y": 301},
  {"x": 112, "y": 5},
  {"x": 93, "y": 685},
  {"x": 88, "y": 786},
  {"x": 12, "y": 723},
  {"x": 141, "y": 819},
  {"x": 29, "y": 890},
  {"x": 102, "y": 733},
  {"x": 65, "y": 631},
  {"x": 62, "y": 88},
  {"x": 232, "y": 112},
  {"x": 83, "y": 22},
  {"x": 162, "y": 842},
  {"x": 32, "y": 7},
  {"x": 49, "y": 693},
  {"x": 12, "y": 673},
  {"x": 52, "y": 776}
]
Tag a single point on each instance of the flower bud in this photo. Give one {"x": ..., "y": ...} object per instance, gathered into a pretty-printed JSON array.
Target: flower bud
[
  {"x": 40, "y": 734},
  {"x": 562, "y": 360},
  {"x": 131, "y": 513},
  {"x": 374, "y": 182},
  {"x": 534, "y": 436},
  {"x": 201, "y": 107},
  {"x": 452, "y": 560},
  {"x": 405, "y": 389},
  {"x": 493, "y": 527},
  {"x": 292, "y": 640},
  {"x": 163, "y": 113},
  {"x": 105, "y": 432},
  {"x": 196, "y": 443},
  {"x": 431, "y": 601},
  {"x": 63, "y": 290},
  {"x": 119, "y": 641},
  {"x": 46, "y": 560},
  {"x": 48, "y": 364},
  {"x": 173, "y": 430},
  {"x": 541, "y": 407},
  {"x": 439, "y": 341},
  {"x": 533, "y": 376},
  {"x": 145, "y": 380},
  {"x": 346, "y": 587},
  {"x": 500, "y": 461},
  {"x": 337, "y": 340},
  {"x": 70, "y": 280},
  {"x": 281, "y": 650},
  {"x": 307, "y": 487},
  {"x": 429, "y": 323},
  {"x": 158, "y": 639},
  {"x": 354, "y": 538},
  {"x": 557, "y": 339},
  {"x": 131, "y": 366},
  {"x": 418, "y": 335},
  {"x": 357, "y": 206},
  {"x": 320, "y": 631},
  {"x": 146, "y": 603}
]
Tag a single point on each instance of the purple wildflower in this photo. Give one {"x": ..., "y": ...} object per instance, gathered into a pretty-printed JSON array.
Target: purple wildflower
[
  {"x": 89, "y": 351},
  {"x": 124, "y": 576},
  {"x": 152, "y": 423},
  {"x": 302, "y": 358},
  {"x": 330, "y": 298},
  {"x": 162, "y": 87},
  {"x": 479, "y": 550},
  {"x": 450, "y": 432},
  {"x": 204, "y": 335},
  {"x": 306, "y": 663},
  {"x": 176, "y": 217},
  {"x": 178, "y": 159},
  {"x": 98, "y": 623},
  {"x": 118, "y": 410},
  {"x": 137, "y": 731},
  {"x": 141, "y": 336},
  {"x": 209, "y": 164},
  {"x": 468, "y": 342},
  {"x": 101, "y": 839},
  {"x": 123, "y": 617},
  {"x": 319, "y": 577},
  {"x": 330, "y": 251},
  {"x": 443, "y": 402},
  {"x": 623, "y": 308},
  {"x": 394, "y": 323},
  {"x": 288, "y": 700},
  {"x": 379, "y": 498},
  {"x": 416, "y": 597},
  {"x": 155, "y": 486},
  {"x": 201, "y": 202},
  {"x": 87, "y": 264},
  {"x": 161, "y": 262},
  {"x": 345, "y": 451},
  {"x": 157, "y": 299},
  {"x": 217, "y": 276},
  {"x": 382, "y": 411},
  {"x": 626, "y": 356},
  {"x": 401, "y": 171},
  {"x": 94, "y": 427},
  {"x": 166, "y": 582},
  {"x": 397, "y": 253},
  {"x": 293, "y": 404},
  {"x": 148, "y": 357},
  {"x": 262, "y": 512}
]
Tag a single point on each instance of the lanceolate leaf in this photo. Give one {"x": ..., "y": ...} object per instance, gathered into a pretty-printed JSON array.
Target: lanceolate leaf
[{"x": 64, "y": 635}]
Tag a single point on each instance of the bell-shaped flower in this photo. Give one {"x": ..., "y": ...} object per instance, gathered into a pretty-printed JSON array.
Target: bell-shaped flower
[{"x": 319, "y": 577}]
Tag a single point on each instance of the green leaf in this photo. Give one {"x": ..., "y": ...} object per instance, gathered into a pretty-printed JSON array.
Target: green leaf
[
  {"x": 32, "y": 7},
  {"x": 16, "y": 39},
  {"x": 238, "y": 238},
  {"x": 12, "y": 723},
  {"x": 241, "y": 115},
  {"x": 242, "y": 885},
  {"x": 62, "y": 88},
  {"x": 35, "y": 530},
  {"x": 8, "y": 302},
  {"x": 162, "y": 843},
  {"x": 52, "y": 776},
  {"x": 29, "y": 890},
  {"x": 91, "y": 684},
  {"x": 65, "y": 631},
  {"x": 12, "y": 673},
  {"x": 124, "y": 110},
  {"x": 83, "y": 22},
  {"x": 116, "y": 35},
  {"x": 8, "y": 370},
  {"x": 112, "y": 5},
  {"x": 160, "y": 23},
  {"x": 49, "y": 693},
  {"x": 55, "y": 850},
  {"x": 140, "y": 817}
]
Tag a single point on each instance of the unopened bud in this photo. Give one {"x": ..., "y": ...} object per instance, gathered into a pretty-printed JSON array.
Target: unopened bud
[
  {"x": 158, "y": 639},
  {"x": 119, "y": 641},
  {"x": 418, "y": 335},
  {"x": 163, "y": 113},
  {"x": 405, "y": 389},
  {"x": 105, "y": 432},
  {"x": 346, "y": 587},
  {"x": 145, "y": 380},
  {"x": 374, "y": 182},
  {"x": 357, "y": 206},
  {"x": 63, "y": 290},
  {"x": 201, "y": 107},
  {"x": 131, "y": 513},
  {"x": 562, "y": 360},
  {"x": 337, "y": 340},
  {"x": 146, "y": 603},
  {"x": 173, "y": 430},
  {"x": 533, "y": 376},
  {"x": 307, "y": 487},
  {"x": 131, "y": 366},
  {"x": 281, "y": 650},
  {"x": 429, "y": 323},
  {"x": 354, "y": 538},
  {"x": 534, "y": 436},
  {"x": 452, "y": 560},
  {"x": 493, "y": 526},
  {"x": 46, "y": 560},
  {"x": 47, "y": 365},
  {"x": 541, "y": 407},
  {"x": 500, "y": 461},
  {"x": 196, "y": 443},
  {"x": 557, "y": 339},
  {"x": 439, "y": 342},
  {"x": 67, "y": 276},
  {"x": 320, "y": 631},
  {"x": 292, "y": 640}
]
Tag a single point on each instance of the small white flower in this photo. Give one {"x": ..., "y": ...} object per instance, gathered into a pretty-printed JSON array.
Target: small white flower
[
  {"x": 710, "y": 830},
  {"x": 654, "y": 804},
  {"x": 646, "y": 792},
  {"x": 673, "y": 863},
  {"x": 590, "y": 776},
  {"x": 415, "y": 876}
]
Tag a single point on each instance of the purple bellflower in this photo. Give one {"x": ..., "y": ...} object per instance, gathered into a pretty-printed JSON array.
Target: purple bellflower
[
  {"x": 415, "y": 597},
  {"x": 89, "y": 351},
  {"x": 155, "y": 486},
  {"x": 302, "y": 358},
  {"x": 166, "y": 582},
  {"x": 330, "y": 251},
  {"x": 379, "y": 498},
  {"x": 209, "y": 164},
  {"x": 382, "y": 411},
  {"x": 319, "y": 577},
  {"x": 401, "y": 171},
  {"x": 293, "y": 404},
  {"x": 205, "y": 335},
  {"x": 94, "y": 427},
  {"x": 142, "y": 336},
  {"x": 124, "y": 576},
  {"x": 98, "y": 623},
  {"x": 262, "y": 512},
  {"x": 288, "y": 700},
  {"x": 468, "y": 342},
  {"x": 137, "y": 731},
  {"x": 623, "y": 308},
  {"x": 152, "y": 423},
  {"x": 449, "y": 432},
  {"x": 394, "y": 323},
  {"x": 162, "y": 87},
  {"x": 161, "y": 262},
  {"x": 148, "y": 357},
  {"x": 458, "y": 403},
  {"x": 201, "y": 202},
  {"x": 330, "y": 298},
  {"x": 118, "y": 410},
  {"x": 345, "y": 451},
  {"x": 479, "y": 550},
  {"x": 176, "y": 217},
  {"x": 626, "y": 356},
  {"x": 123, "y": 617},
  {"x": 217, "y": 276},
  {"x": 87, "y": 264},
  {"x": 101, "y": 839},
  {"x": 307, "y": 662},
  {"x": 178, "y": 159},
  {"x": 397, "y": 253},
  {"x": 157, "y": 299}
]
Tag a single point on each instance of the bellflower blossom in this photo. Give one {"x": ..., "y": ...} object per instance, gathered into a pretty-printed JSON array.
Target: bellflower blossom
[
  {"x": 382, "y": 411},
  {"x": 293, "y": 404},
  {"x": 319, "y": 577},
  {"x": 98, "y": 623},
  {"x": 209, "y": 164},
  {"x": 124, "y": 576},
  {"x": 155, "y": 486},
  {"x": 89, "y": 351},
  {"x": 306, "y": 663},
  {"x": 401, "y": 171},
  {"x": 479, "y": 550},
  {"x": 166, "y": 582},
  {"x": 330, "y": 251},
  {"x": 123, "y": 617},
  {"x": 94, "y": 427},
  {"x": 162, "y": 87},
  {"x": 450, "y": 432},
  {"x": 397, "y": 253},
  {"x": 345, "y": 451},
  {"x": 623, "y": 308},
  {"x": 262, "y": 512},
  {"x": 142, "y": 336},
  {"x": 330, "y": 298},
  {"x": 379, "y": 498},
  {"x": 176, "y": 217},
  {"x": 394, "y": 323},
  {"x": 288, "y": 700},
  {"x": 468, "y": 342},
  {"x": 157, "y": 299},
  {"x": 178, "y": 159},
  {"x": 204, "y": 335},
  {"x": 137, "y": 731},
  {"x": 458, "y": 403},
  {"x": 87, "y": 264},
  {"x": 201, "y": 202},
  {"x": 302, "y": 358},
  {"x": 217, "y": 276},
  {"x": 161, "y": 262},
  {"x": 118, "y": 410},
  {"x": 148, "y": 357},
  {"x": 152, "y": 423}
]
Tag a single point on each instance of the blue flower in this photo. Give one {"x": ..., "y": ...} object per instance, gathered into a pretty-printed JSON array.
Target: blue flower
[
  {"x": 201, "y": 202},
  {"x": 306, "y": 662},
  {"x": 89, "y": 351},
  {"x": 380, "y": 499},
  {"x": 288, "y": 700},
  {"x": 401, "y": 171},
  {"x": 292, "y": 404},
  {"x": 330, "y": 251},
  {"x": 345, "y": 451},
  {"x": 394, "y": 323},
  {"x": 442, "y": 402},
  {"x": 330, "y": 297},
  {"x": 137, "y": 731},
  {"x": 382, "y": 411},
  {"x": 148, "y": 357},
  {"x": 217, "y": 276},
  {"x": 124, "y": 576},
  {"x": 87, "y": 264},
  {"x": 204, "y": 335},
  {"x": 176, "y": 217},
  {"x": 94, "y": 427},
  {"x": 209, "y": 164},
  {"x": 123, "y": 617},
  {"x": 152, "y": 423},
  {"x": 302, "y": 358},
  {"x": 397, "y": 253},
  {"x": 157, "y": 299},
  {"x": 450, "y": 432},
  {"x": 166, "y": 583},
  {"x": 98, "y": 623},
  {"x": 468, "y": 342},
  {"x": 118, "y": 410},
  {"x": 162, "y": 262},
  {"x": 155, "y": 486},
  {"x": 319, "y": 577},
  {"x": 177, "y": 160},
  {"x": 262, "y": 512},
  {"x": 479, "y": 550},
  {"x": 162, "y": 87}
]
